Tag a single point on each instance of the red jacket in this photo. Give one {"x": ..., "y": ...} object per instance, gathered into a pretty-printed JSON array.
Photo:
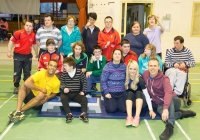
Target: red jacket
[
  {"x": 130, "y": 56},
  {"x": 104, "y": 37},
  {"x": 46, "y": 57}
]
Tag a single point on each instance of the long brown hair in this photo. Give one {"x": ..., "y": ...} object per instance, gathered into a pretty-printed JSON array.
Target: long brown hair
[{"x": 153, "y": 51}]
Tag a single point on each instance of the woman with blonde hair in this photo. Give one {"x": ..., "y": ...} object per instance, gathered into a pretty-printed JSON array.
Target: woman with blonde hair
[
  {"x": 149, "y": 52},
  {"x": 137, "y": 95}
]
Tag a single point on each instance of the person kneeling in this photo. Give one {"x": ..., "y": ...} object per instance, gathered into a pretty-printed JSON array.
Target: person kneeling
[
  {"x": 73, "y": 86},
  {"x": 36, "y": 90},
  {"x": 135, "y": 85}
]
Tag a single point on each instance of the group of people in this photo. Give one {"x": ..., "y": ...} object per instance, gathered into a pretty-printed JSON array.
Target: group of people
[{"x": 129, "y": 70}]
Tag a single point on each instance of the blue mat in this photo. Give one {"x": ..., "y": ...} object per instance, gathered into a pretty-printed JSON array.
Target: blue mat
[{"x": 104, "y": 115}]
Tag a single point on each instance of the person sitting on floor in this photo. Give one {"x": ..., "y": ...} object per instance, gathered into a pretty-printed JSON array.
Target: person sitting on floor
[
  {"x": 167, "y": 102},
  {"x": 73, "y": 86},
  {"x": 127, "y": 53},
  {"x": 36, "y": 90},
  {"x": 50, "y": 54},
  {"x": 78, "y": 49},
  {"x": 149, "y": 52},
  {"x": 137, "y": 94},
  {"x": 94, "y": 68},
  {"x": 178, "y": 60},
  {"x": 112, "y": 83}
]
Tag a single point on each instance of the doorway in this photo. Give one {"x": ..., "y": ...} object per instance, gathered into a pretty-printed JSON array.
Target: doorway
[{"x": 134, "y": 12}]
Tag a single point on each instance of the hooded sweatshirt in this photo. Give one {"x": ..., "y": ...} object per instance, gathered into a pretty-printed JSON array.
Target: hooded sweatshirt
[{"x": 159, "y": 88}]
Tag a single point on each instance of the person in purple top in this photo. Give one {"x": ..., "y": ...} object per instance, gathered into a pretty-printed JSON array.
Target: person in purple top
[
  {"x": 167, "y": 102},
  {"x": 137, "y": 40},
  {"x": 154, "y": 32},
  {"x": 112, "y": 83}
]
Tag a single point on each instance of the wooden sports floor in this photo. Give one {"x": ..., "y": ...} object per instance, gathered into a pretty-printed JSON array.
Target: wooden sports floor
[{"x": 50, "y": 128}]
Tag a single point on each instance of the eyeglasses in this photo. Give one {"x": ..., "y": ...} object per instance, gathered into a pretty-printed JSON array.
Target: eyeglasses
[
  {"x": 97, "y": 51},
  {"x": 108, "y": 21},
  {"x": 70, "y": 21}
]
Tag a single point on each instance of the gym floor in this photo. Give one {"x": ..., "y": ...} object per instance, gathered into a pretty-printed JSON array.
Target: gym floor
[{"x": 50, "y": 128}]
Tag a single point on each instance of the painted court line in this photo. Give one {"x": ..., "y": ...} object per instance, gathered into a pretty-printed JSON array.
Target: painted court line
[
  {"x": 149, "y": 128},
  {"x": 179, "y": 126},
  {"x": 6, "y": 131},
  {"x": 7, "y": 101}
]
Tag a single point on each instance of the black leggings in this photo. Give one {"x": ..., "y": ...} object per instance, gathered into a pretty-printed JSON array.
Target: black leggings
[
  {"x": 76, "y": 97},
  {"x": 133, "y": 95}
]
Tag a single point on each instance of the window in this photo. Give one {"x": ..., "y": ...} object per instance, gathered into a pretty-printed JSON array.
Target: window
[{"x": 195, "y": 31}]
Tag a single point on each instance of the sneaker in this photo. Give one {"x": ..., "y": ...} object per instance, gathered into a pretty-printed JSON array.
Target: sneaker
[
  {"x": 129, "y": 121},
  {"x": 94, "y": 88},
  {"x": 84, "y": 117},
  {"x": 187, "y": 113},
  {"x": 69, "y": 117},
  {"x": 136, "y": 121},
  {"x": 17, "y": 116},
  {"x": 16, "y": 89},
  {"x": 168, "y": 132},
  {"x": 11, "y": 114}
]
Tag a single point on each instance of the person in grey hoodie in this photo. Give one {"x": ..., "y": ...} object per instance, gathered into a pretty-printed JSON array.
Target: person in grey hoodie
[{"x": 167, "y": 102}]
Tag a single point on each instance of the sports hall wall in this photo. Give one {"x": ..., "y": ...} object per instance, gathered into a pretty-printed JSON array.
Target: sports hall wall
[{"x": 180, "y": 21}]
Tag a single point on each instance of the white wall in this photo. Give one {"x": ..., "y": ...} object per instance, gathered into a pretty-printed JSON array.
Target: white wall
[{"x": 181, "y": 16}]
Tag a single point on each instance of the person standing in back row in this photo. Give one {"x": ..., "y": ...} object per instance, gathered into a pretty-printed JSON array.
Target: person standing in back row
[
  {"x": 23, "y": 41},
  {"x": 90, "y": 33},
  {"x": 154, "y": 32},
  {"x": 108, "y": 39},
  {"x": 48, "y": 31}
]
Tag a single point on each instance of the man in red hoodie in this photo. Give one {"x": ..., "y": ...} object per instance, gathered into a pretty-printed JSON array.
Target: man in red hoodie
[
  {"x": 166, "y": 100},
  {"x": 108, "y": 39}
]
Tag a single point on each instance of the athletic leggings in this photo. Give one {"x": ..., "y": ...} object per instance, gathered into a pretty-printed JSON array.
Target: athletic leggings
[
  {"x": 133, "y": 95},
  {"x": 117, "y": 102},
  {"x": 76, "y": 97}
]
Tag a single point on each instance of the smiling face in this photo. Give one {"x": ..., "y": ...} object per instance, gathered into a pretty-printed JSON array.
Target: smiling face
[
  {"x": 117, "y": 56},
  {"x": 178, "y": 45},
  {"x": 136, "y": 29},
  {"x": 108, "y": 22},
  {"x": 152, "y": 21},
  {"x": 71, "y": 23},
  {"x": 153, "y": 67},
  {"x": 132, "y": 70},
  {"x": 52, "y": 67}
]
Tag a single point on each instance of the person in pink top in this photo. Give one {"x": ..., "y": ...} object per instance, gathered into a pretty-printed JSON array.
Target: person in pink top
[{"x": 3, "y": 29}]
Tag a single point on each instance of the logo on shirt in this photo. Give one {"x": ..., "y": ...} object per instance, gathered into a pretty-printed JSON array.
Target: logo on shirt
[
  {"x": 53, "y": 33},
  {"x": 45, "y": 57},
  {"x": 31, "y": 40}
]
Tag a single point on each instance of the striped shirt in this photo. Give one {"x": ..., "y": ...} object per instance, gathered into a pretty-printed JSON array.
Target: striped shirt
[
  {"x": 174, "y": 56},
  {"x": 42, "y": 35},
  {"x": 75, "y": 83}
]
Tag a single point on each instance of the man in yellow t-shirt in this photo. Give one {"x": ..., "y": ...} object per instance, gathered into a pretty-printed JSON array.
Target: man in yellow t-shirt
[{"x": 36, "y": 90}]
